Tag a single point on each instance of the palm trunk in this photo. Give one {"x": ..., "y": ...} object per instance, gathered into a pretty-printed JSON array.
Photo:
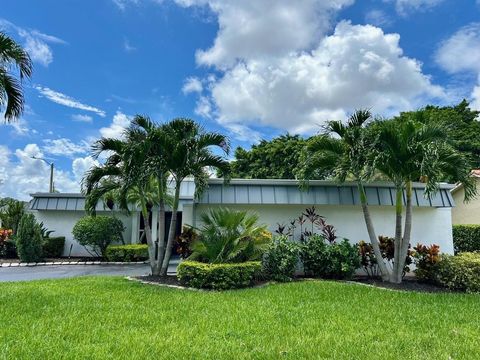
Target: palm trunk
[
  {"x": 148, "y": 235},
  {"x": 371, "y": 233},
  {"x": 408, "y": 227},
  {"x": 396, "y": 276},
  {"x": 171, "y": 231},
  {"x": 161, "y": 224}
]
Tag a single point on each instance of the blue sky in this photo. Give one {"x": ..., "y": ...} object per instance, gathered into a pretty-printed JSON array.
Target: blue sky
[{"x": 251, "y": 69}]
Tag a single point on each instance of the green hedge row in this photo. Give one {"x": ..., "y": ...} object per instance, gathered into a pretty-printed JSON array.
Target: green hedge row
[
  {"x": 218, "y": 276},
  {"x": 53, "y": 246},
  {"x": 127, "y": 253},
  {"x": 460, "y": 272},
  {"x": 466, "y": 238}
]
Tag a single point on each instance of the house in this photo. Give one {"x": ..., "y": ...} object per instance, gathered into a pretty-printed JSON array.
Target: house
[
  {"x": 466, "y": 212},
  {"x": 275, "y": 201}
]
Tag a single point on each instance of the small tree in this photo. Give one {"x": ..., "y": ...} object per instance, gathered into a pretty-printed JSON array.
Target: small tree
[
  {"x": 29, "y": 239},
  {"x": 95, "y": 233}
]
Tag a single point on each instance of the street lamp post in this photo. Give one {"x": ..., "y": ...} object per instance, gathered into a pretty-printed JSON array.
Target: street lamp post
[{"x": 51, "y": 188}]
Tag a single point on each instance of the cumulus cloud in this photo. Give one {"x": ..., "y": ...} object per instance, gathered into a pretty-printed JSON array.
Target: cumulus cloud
[
  {"x": 192, "y": 85},
  {"x": 21, "y": 175},
  {"x": 461, "y": 54},
  {"x": 65, "y": 100},
  {"x": 115, "y": 130},
  {"x": 36, "y": 43},
  {"x": 252, "y": 28},
  {"x": 65, "y": 147}
]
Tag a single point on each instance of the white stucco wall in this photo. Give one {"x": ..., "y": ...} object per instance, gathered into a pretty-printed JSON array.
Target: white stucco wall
[
  {"x": 62, "y": 223},
  {"x": 465, "y": 212},
  {"x": 430, "y": 225}
]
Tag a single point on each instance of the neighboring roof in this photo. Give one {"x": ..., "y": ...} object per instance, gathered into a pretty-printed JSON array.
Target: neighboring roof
[
  {"x": 474, "y": 173},
  {"x": 268, "y": 192},
  {"x": 286, "y": 192}
]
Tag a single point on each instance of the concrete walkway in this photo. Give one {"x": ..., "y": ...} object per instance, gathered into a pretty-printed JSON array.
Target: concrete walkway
[{"x": 69, "y": 271}]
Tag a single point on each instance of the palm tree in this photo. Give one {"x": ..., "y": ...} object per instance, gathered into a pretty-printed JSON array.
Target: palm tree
[
  {"x": 230, "y": 236},
  {"x": 12, "y": 57},
  {"x": 346, "y": 156},
  {"x": 187, "y": 150},
  {"x": 409, "y": 150}
]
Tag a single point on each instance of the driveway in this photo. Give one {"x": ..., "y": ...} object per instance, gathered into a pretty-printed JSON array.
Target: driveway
[{"x": 68, "y": 271}]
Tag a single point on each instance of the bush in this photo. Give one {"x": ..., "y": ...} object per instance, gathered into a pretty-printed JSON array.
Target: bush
[
  {"x": 426, "y": 259},
  {"x": 460, "y": 272},
  {"x": 53, "y": 246},
  {"x": 332, "y": 260},
  {"x": 95, "y": 233},
  {"x": 185, "y": 241},
  {"x": 466, "y": 238},
  {"x": 29, "y": 239},
  {"x": 9, "y": 250},
  {"x": 218, "y": 276},
  {"x": 229, "y": 236},
  {"x": 127, "y": 253},
  {"x": 280, "y": 260}
]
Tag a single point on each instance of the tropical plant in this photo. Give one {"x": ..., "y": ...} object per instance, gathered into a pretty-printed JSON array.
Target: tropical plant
[
  {"x": 12, "y": 57},
  {"x": 187, "y": 152},
  {"x": 280, "y": 260},
  {"x": 229, "y": 236},
  {"x": 410, "y": 150},
  {"x": 344, "y": 150},
  {"x": 96, "y": 233},
  {"x": 426, "y": 259},
  {"x": 11, "y": 211},
  {"x": 29, "y": 239}
]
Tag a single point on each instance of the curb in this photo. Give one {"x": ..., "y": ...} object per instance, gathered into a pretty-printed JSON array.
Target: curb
[{"x": 65, "y": 263}]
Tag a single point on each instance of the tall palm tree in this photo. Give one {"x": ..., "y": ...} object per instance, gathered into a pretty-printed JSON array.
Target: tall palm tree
[
  {"x": 187, "y": 150},
  {"x": 347, "y": 155},
  {"x": 12, "y": 57},
  {"x": 408, "y": 150}
]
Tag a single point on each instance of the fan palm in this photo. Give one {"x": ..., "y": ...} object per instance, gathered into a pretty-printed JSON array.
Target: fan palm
[
  {"x": 12, "y": 57},
  {"x": 408, "y": 150},
  {"x": 347, "y": 155},
  {"x": 230, "y": 236}
]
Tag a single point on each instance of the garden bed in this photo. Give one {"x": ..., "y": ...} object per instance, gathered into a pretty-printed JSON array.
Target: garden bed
[{"x": 408, "y": 284}]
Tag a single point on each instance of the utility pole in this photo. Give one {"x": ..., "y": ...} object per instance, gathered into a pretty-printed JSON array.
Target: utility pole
[{"x": 51, "y": 187}]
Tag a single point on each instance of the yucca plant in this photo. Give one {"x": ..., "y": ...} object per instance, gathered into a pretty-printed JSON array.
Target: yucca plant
[{"x": 230, "y": 236}]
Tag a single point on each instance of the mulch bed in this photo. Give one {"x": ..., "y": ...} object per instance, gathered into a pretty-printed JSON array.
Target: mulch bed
[{"x": 408, "y": 284}]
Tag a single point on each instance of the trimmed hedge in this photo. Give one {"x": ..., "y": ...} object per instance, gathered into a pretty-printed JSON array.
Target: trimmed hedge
[
  {"x": 460, "y": 272},
  {"x": 218, "y": 276},
  {"x": 127, "y": 253},
  {"x": 466, "y": 238},
  {"x": 53, "y": 246}
]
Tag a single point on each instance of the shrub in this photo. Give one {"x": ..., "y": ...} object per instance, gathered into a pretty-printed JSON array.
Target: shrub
[
  {"x": 29, "y": 239},
  {"x": 185, "y": 241},
  {"x": 426, "y": 259},
  {"x": 7, "y": 244},
  {"x": 95, "y": 233},
  {"x": 368, "y": 260},
  {"x": 460, "y": 272},
  {"x": 466, "y": 238},
  {"x": 127, "y": 253},
  {"x": 218, "y": 276},
  {"x": 329, "y": 260},
  {"x": 53, "y": 246},
  {"x": 280, "y": 260},
  {"x": 229, "y": 236},
  {"x": 11, "y": 211}
]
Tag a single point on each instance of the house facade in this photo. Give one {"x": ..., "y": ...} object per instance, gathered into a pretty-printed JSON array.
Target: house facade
[
  {"x": 276, "y": 202},
  {"x": 466, "y": 213}
]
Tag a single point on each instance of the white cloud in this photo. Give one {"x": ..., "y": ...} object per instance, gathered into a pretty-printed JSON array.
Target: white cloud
[
  {"x": 19, "y": 127},
  {"x": 115, "y": 130},
  {"x": 128, "y": 47},
  {"x": 461, "y": 54},
  {"x": 192, "y": 85},
  {"x": 65, "y": 147},
  {"x": 24, "y": 175},
  {"x": 82, "y": 118},
  {"x": 123, "y": 4},
  {"x": 378, "y": 17},
  {"x": 203, "y": 107},
  {"x": 81, "y": 165},
  {"x": 252, "y": 28},
  {"x": 404, "y": 7},
  {"x": 66, "y": 100},
  {"x": 356, "y": 67},
  {"x": 36, "y": 42}
]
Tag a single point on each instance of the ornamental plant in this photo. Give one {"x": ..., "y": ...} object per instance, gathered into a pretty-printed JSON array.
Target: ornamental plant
[
  {"x": 4, "y": 241},
  {"x": 426, "y": 259},
  {"x": 29, "y": 239}
]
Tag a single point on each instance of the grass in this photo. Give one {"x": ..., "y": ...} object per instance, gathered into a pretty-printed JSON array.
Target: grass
[{"x": 112, "y": 318}]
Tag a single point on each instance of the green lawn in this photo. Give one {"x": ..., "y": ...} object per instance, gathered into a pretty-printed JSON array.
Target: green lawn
[{"x": 112, "y": 318}]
